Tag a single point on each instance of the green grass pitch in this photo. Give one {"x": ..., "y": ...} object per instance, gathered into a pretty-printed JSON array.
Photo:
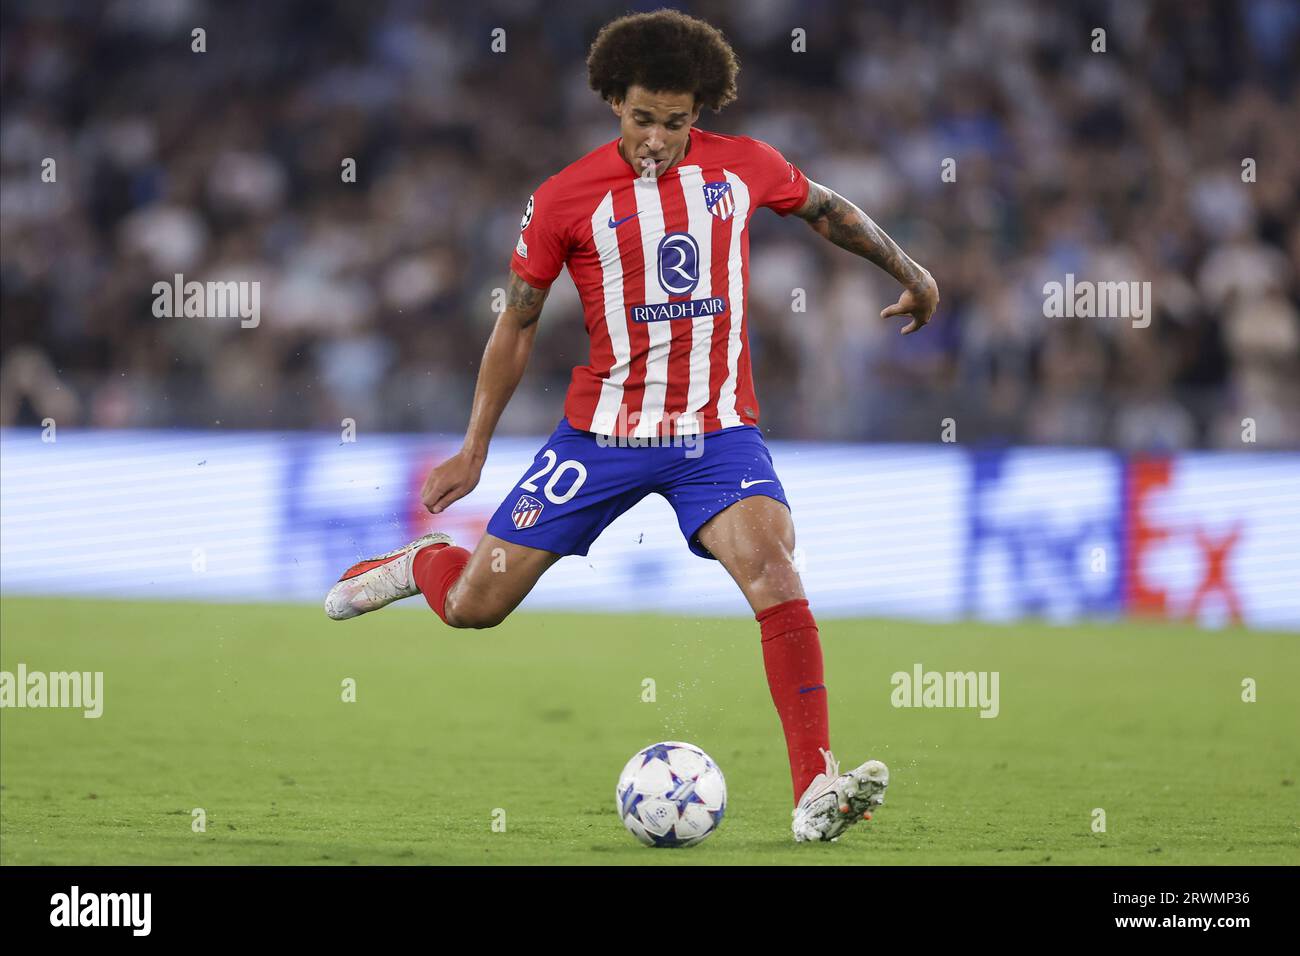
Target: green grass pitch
[{"x": 238, "y": 710}]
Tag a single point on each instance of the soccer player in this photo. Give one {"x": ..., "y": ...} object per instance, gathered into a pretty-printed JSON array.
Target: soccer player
[{"x": 653, "y": 228}]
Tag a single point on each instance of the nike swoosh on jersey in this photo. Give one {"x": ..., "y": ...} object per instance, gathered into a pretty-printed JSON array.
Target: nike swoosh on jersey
[
  {"x": 615, "y": 225},
  {"x": 749, "y": 484}
]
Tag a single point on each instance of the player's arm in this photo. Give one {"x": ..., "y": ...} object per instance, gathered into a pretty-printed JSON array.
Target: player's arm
[
  {"x": 504, "y": 361},
  {"x": 835, "y": 218}
]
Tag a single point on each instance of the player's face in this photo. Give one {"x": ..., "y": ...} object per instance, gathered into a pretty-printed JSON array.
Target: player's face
[{"x": 655, "y": 125}]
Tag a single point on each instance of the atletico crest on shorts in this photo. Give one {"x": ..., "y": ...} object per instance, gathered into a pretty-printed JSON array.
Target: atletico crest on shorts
[
  {"x": 718, "y": 199},
  {"x": 525, "y": 512}
]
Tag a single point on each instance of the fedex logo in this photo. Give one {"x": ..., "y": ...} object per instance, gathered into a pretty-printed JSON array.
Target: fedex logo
[{"x": 1062, "y": 535}]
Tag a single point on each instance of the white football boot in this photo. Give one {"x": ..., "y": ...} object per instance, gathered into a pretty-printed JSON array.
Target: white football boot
[
  {"x": 835, "y": 801},
  {"x": 377, "y": 582}
]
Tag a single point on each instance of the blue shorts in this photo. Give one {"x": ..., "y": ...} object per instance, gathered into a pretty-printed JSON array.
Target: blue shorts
[{"x": 576, "y": 486}]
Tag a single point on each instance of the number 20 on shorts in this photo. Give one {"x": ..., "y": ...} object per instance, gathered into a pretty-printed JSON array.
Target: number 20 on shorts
[{"x": 579, "y": 469}]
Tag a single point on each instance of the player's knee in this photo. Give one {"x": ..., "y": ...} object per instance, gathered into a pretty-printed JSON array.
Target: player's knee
[
  {"x": 473, "y": 614},
  {"x": 776, "y": 576},
  {"x": 777, "y": 560}
]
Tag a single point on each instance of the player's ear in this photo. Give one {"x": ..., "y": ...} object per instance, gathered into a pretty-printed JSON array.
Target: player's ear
[{"x": 616, "y": 104}]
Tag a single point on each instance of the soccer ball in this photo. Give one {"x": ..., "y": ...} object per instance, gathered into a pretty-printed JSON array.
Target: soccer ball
[{"x": 671, "y": 794}]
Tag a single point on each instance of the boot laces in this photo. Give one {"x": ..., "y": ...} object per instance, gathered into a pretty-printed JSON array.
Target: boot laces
[{"x": 832, "y": 765}]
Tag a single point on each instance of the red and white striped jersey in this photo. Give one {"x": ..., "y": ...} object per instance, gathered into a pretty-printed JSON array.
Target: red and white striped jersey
[{"x": 662, "y": 268}]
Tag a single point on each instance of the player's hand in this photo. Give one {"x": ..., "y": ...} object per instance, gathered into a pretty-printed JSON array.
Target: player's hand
[
  {"x": 919, "y": 301},
  {"x": 452, "y": 480}
]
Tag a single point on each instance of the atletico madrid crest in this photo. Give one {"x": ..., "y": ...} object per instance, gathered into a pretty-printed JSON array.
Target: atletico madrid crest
[
  {"x": 718, "y": 199},
  {"x": 526, "y": 511}
]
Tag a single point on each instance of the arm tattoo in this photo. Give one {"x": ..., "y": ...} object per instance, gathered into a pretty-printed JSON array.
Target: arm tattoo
[
  {"x": 837, "y": 219},
  {"x": 525, "y": 300}
]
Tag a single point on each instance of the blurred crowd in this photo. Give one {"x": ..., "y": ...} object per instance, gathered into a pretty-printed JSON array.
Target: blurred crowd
[{"x": 1172, "y": 157}]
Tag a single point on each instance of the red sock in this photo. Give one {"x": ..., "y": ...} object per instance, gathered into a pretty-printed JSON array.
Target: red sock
[
  {"x": 435, "y": 570},
  {"x": 792, "y": 654}
]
